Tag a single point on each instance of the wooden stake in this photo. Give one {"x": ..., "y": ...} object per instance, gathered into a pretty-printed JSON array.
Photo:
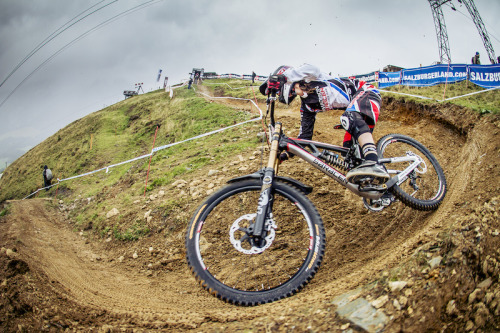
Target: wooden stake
[{"x": 150, "y": 157}]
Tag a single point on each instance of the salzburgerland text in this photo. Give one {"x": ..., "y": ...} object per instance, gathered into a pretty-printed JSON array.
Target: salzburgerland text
[
  {"x": 485, "y": 76},
  {"x": 432, "y": 75}
]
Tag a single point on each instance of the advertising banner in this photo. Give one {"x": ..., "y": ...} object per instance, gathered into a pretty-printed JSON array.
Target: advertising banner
[
  {"x": 432, "y": 75},
  {"x": 388, "y": 79},
  {"x": 486, "y": 76},
  {"x": 370, "y": 77}
]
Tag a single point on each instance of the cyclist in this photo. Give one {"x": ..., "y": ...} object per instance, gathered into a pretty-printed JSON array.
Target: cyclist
[{"x": 319, "y": 92}]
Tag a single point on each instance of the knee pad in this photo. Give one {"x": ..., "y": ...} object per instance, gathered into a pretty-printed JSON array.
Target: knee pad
[{"x": 354, "y": 124}]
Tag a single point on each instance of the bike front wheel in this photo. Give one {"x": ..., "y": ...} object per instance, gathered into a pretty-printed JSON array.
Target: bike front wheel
[
  {"x": 425, "y": 187},
  {"x": 229, "y": 267}
]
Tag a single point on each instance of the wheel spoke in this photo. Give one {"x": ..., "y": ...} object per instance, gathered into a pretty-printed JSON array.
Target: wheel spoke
[
  {"x": 425, "y": 186},
  {"x": 224, "y": 246}
]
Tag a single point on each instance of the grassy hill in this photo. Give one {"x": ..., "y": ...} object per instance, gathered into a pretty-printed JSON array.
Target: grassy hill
[
  {"x": 121, "y": 132},
  {"x": 485, "y": 102},
  {"x": 104, "y": 228},
  {"x": 126, "y": 130},
  {"x": 118, "y": 133}
]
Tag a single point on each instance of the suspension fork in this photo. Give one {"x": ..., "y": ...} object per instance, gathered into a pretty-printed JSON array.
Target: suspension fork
[{"x": 266, "y": 195}]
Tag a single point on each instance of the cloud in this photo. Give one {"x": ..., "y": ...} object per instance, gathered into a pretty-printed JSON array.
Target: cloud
[{"x": 342, "y": 37}]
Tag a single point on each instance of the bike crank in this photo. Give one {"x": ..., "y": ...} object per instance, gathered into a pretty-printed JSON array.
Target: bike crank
[{"x": 377, "y": 205}]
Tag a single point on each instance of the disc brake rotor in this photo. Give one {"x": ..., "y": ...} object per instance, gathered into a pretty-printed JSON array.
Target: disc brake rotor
[{"x": 240, "y": 226}]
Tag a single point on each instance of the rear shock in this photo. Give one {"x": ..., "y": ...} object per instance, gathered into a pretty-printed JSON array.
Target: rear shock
[{"x": 334, "y": 160}]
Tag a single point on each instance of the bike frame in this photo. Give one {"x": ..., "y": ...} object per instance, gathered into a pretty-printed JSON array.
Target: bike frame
[
  {"x": 296, "y": 147},
  {"x": 279, "y": 142}
]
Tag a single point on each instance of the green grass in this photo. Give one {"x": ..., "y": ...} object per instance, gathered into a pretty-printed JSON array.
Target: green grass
[
  {"x": 121, "y": 132},
  {"x": 235, "y": 88},
  {"x": 484, "y": 102},
  {"x": 4, "y": 212},
  {"x": 115, "y": 134},
  {"x": 136, "y": 231},
  {"x": 127, "y": 130}
]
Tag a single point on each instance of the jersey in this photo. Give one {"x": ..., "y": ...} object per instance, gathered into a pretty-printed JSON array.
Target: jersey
[{"x": 329, "y": 93}]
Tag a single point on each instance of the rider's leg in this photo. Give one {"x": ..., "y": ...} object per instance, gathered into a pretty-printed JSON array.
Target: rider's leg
[
  {"x": 370, "y": 167},
  {"x": 368, "y": 147},
  {"x": 354, "y": 123},
  {"x": 307, "y": 120}
]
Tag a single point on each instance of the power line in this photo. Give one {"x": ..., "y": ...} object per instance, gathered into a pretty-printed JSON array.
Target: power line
[
  {"x": 54, "y": 35},
  {"x": 114, "y": 18},
  {"x": 470, "y": 19}
]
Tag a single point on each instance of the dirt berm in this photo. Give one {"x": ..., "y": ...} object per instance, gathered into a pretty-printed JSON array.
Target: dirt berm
[{"x": 53, "y": 278}]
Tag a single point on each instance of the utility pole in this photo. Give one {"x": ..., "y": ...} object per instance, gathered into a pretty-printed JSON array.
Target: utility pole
[
  {"x": 474, "y": 14},
  {"x": 442, "y": 34}
]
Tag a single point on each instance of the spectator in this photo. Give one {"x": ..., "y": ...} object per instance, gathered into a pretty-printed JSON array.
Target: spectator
[
  {"x": 47, "y": 177},
  {"x": 253, "y": 76},
  {"x": 475, "y": 59}
]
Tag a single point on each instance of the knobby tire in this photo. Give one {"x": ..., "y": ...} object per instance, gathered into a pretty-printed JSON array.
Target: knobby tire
[
  {"x": 431, "y": 184},
  {"x": 281, "y": 270}
]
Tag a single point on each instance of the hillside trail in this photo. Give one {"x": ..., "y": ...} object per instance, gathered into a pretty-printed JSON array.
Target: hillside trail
[{"x": 87, "y": 288}]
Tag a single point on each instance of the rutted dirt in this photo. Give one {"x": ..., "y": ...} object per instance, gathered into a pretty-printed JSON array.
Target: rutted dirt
[{"x": 54, "y": 279}]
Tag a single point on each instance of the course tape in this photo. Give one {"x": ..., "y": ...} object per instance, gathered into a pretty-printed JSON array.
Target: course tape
[
  {"x": 157, "y": 148},
  {"x": 438, "y": 100},
  {"x": 477, "y": 92},
  {"x": 216, "y": 131},
  {"x": 226, "y": 85},
  {"x": 395, "y": 92}
]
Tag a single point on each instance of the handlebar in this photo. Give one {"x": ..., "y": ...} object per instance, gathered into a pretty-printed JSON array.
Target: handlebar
[{"x": 273, "y": 86}]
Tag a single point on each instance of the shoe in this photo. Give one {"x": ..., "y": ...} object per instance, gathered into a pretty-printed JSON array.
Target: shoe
[{"x": 370, "y": 171}]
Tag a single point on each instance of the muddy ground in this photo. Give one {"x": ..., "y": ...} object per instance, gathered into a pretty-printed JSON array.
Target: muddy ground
[{"x": 53, "y": 278}]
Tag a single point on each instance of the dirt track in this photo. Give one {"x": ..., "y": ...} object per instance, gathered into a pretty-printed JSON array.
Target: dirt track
[{"x": 57, "y": 279}]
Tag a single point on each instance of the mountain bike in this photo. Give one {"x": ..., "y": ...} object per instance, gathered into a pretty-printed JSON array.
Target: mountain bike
[{"x": 260, "y": 239}]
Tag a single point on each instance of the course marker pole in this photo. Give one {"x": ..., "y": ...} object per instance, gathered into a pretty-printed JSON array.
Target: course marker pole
[
  {"x": 57, "y": 188},
  {"x": 446, "y": 82},
  {"x": 150, "y": 158}
]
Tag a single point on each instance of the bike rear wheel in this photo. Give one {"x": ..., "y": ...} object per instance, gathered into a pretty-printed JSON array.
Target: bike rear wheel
[
  {"x": 425, "y": 187},
  {"x": 221, "y": 259}
]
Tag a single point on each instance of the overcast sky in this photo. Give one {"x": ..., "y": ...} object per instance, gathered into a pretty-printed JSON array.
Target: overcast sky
[{"x": 88, "y": 66}]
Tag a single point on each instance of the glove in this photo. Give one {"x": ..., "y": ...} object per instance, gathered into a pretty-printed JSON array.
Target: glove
[
  {"x": 274, "y": 82},
  {"x": 274, "y": 85}
]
